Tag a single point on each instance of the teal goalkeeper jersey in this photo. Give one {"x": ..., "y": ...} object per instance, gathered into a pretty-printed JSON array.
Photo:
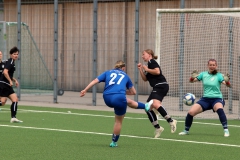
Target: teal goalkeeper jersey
[{"x": 211, "y": 84}]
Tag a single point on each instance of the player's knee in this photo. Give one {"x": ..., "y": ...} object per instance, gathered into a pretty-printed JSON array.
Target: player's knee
[
  {"x": 3, "y": 101},
  {"x": 129, "y": 103},
  {"x": 15, "y": 99},
  {"x": 193, "y": 112},
  {"x": 156, "y": 105}
]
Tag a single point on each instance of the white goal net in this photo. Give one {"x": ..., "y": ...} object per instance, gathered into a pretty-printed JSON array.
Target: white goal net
[{"x": 185, "y": 40}]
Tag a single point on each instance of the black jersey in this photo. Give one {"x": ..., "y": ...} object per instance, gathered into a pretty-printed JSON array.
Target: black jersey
[
  {"x": 10, "y": 65},
  {"x": 2, "y": 64},
  {"x": 155, "y": 80}
]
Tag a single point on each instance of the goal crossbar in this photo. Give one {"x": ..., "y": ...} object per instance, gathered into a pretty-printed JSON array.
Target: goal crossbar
[{"x": 198, "y": 10}]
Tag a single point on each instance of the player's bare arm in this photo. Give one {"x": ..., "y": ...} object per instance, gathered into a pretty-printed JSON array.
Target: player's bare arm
[
  {"x": 131, "y": 91},
  {"x": 83, "y": 92},
  {"x": 16, "y": 82},
  {"x": 227, "y": 84},
  {"x": 5, "y": 73},
  {"x": 140, "y": 68},
  {"x": 191, "y": 80}
]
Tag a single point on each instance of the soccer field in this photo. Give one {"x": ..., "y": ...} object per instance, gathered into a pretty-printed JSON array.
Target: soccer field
[{"x": 58, "y": 133}]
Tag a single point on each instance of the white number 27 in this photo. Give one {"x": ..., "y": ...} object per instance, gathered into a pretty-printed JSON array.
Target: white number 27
[{"x": 114, "y": 76}]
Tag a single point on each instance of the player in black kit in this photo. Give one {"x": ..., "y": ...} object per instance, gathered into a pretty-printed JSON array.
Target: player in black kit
[
  {"x": 3, "y": 100},
  {"x": 6, "y": 83},
  {"x": 153, "y": 74}
]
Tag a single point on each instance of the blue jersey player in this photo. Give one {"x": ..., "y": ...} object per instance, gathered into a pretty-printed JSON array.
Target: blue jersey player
[
  {"x": 212, "y": 96},
  {"x": 117, "y": 85}
]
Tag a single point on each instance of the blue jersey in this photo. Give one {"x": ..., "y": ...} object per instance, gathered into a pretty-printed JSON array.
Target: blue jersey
[{"x": 116, "y": 81}]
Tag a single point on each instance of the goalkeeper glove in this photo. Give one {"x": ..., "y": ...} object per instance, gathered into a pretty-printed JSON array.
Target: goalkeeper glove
[
  {"x": 226, "y": 77},
  {"x": 194, "y": 75},
  {"x": 227, "y": 80}
]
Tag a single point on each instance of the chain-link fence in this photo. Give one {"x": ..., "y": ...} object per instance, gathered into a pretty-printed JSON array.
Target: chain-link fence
[{"x": 90, "y": 36}]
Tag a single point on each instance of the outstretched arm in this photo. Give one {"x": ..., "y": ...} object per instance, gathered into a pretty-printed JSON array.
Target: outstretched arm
[
  {"x": 191, "y": 80},
  {"x": 83, "y": 92},
  {"x": 227, "y": 84}
]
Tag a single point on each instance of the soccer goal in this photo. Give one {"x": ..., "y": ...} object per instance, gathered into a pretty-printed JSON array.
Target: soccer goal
[
  {"x": 35, "y": 75},
  {"x": 186, "y": 39}
]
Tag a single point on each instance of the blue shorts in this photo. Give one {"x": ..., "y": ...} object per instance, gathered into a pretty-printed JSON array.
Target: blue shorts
[
  {"x": 116, "y": 101},
  {"x": 208, "y": 103}
]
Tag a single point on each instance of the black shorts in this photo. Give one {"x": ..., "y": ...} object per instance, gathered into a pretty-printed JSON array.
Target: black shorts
[
  {"x": 5, "y": 90},
  {"x": 159, "y": 92}
]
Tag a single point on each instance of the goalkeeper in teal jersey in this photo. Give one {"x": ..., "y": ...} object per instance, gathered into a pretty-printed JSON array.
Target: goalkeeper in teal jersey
[
  {"x": 212, "y": 97},
  {"x": 117, "y": 85}
]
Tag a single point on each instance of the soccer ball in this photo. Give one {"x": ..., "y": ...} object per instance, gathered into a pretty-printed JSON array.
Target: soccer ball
[{"x": 189, "y": 99}]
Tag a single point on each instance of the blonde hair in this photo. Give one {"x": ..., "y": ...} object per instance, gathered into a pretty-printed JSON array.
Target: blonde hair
[
  {"x": 149, "y": 51},
  {"x": 119, "y": 64}
]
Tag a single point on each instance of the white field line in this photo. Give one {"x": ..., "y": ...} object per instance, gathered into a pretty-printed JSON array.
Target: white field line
[
  {"x": 129, "y": 136},
  {"x": 105, "y": 116}
]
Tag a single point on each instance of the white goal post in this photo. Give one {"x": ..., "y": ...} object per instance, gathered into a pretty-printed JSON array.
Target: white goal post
[{"x": 186, "y": 39}]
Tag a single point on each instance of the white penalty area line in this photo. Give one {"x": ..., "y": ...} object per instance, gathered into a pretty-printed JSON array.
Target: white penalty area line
[
  {"x": 105, "y": 116},
  {"x": 129, "y": 136},
  {"x": 80, "y": 114}
]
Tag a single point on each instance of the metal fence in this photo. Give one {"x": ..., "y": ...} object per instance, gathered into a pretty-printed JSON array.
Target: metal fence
[{"x": 67, "y": 43}]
